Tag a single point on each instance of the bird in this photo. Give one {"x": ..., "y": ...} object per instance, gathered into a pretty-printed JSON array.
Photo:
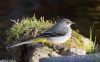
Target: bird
[{"x": 57, "y": 34}]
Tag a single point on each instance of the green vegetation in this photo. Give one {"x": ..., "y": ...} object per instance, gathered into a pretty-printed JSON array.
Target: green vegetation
[
  {"x": 94, "y": 47},
  {"x": 28, "y": 27},
  {"x": 37, "y": 24},
  {"x": 79, "y": 41}
]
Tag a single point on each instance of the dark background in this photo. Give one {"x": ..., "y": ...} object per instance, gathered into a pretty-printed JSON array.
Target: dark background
[{"x": 84, "y": 12}]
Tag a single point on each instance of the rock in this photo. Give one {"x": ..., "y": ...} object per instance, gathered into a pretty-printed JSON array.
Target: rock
[
  {"x": 80, "y": 58},
  {"x": 74, "y": 51},
  {"x": 9, "y": 60},
  {"x": 42, "y": 52}
]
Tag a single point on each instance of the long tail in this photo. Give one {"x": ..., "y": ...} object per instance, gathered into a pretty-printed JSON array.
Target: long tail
[{"x": 22, "y": 43}]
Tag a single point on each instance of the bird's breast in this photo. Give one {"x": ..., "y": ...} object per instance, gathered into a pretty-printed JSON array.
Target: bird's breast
[{"x": 61, "y": 39}]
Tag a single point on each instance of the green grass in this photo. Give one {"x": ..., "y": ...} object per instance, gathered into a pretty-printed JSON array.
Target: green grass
[
  {"x": 29, "y": 24},
  {"x": 95, "y": 46}
]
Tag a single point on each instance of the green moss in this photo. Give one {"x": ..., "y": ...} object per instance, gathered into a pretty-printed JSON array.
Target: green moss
[
  {"x": 25, "y": 26},
  {"x": 78, "y": 41}
]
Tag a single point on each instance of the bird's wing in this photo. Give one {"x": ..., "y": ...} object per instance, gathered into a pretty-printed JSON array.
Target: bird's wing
[
  {"x": 55, "y": 32},
  {"x": 52, "y": 34}
]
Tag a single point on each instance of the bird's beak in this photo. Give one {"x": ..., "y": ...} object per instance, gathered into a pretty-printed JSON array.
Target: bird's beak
[{"x": 73, "y": 22}]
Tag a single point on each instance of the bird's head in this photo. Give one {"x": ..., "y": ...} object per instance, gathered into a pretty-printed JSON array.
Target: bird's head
[{"x": 66, "y": 22}]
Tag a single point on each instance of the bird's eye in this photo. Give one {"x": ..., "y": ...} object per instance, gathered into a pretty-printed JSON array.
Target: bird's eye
[{"x": 67, "y": 22}]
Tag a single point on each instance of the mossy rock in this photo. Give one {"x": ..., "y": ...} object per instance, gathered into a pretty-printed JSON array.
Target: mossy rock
[
  {"x": 21, "y": 31},
  {"x": 79, "y": 41}
]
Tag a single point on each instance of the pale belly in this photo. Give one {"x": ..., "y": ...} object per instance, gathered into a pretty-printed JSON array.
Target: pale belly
[{"x": 60, "y": 39}]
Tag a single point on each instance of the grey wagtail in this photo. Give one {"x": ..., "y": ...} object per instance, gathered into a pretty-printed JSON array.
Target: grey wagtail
[{"x": 57, "y": 34}]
